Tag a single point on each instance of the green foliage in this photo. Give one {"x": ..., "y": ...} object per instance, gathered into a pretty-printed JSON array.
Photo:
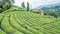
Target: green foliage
[
  {"x": 1, "y": 6},
  {"x": 7, "y": 4},
  {"x": 53, "y": 8},
  {"x": 23, "y": 5},
  {"x": 15, "y": 8},
  {"x": 1, "y": 3},
  {"x": 23, "y": 22},
  {"x": 53, "y": 14},
  {"x": 28, "y": 6},
  {"x": 1, "y": 10},
  {"x": 2, "y": 32},
  {"x": 45, "y": 13}
]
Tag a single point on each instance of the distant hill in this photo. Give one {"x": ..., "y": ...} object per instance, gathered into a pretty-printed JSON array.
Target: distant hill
[
  {"x": 50, "y": 8},
  {"x": 49, "y": 5}
]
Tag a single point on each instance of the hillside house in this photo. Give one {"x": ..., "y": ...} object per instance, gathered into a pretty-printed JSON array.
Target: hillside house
[{"x": 38, "y": 11}]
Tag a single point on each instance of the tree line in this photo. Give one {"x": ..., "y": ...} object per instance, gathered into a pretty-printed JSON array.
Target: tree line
[
  {"x": 7, "y": 4},
  {"x": 23, "y": 5}
]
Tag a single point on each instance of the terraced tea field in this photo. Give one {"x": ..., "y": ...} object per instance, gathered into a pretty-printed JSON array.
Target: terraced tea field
[{"x": 23, "y": 22}]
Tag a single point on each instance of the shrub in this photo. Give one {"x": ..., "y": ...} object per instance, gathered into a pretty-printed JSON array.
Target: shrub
[
  {"x": 1, "y": 10},
  {"x": 7, "y": 5},
  {"x": 45, "y": 13},
  {"x": 53, "y": 14}
]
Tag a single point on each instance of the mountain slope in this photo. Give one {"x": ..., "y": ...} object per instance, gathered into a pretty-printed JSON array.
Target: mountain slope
[
  {"x": 50, "y": 8},
  {"x": 23, "y": 22}
]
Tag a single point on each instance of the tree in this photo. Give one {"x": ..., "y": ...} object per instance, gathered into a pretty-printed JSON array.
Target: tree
[
  {"x": 45, "y": 13},
  {"x": 27, "y": 6},
  {"x": 23, "y": 5},
  {"x": 6, "y": 2},
  {"x": 1, "y": 6},
  {"x": 53, "y": 14},
  {"x": 1, "y": 10}
]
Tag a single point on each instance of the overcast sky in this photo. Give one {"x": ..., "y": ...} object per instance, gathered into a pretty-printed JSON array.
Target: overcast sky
[{"x": 34, "y": 3}]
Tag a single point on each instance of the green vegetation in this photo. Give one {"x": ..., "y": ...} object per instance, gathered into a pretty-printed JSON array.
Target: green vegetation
[
  {"x": 28, "y": 7},
  {"x": 23, "y": 4},
  {"x": 52, "y": 9},
  {"x": 53, "y": 14},
  {"x": 5, "y": 5},
  {"x": 1, "y": 10},
  {"x": 16, "y": 20},
  {"x": 1, "y": 7},
  {"x": 19, "y": 21}
]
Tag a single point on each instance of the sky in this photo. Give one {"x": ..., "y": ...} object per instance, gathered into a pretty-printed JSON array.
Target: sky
[{"x": 34, "y": 3}]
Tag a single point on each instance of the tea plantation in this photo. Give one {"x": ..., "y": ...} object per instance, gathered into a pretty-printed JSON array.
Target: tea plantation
[{"x": 22, "y": 22}]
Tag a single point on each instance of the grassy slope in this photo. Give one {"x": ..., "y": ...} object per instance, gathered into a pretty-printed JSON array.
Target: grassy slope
[{"x": 19, "y": 21}]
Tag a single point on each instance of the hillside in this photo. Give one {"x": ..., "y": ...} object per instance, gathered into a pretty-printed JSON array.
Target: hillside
[
  {"x": 19, "y": 21},
  {"x": 50, "y": 8}
]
